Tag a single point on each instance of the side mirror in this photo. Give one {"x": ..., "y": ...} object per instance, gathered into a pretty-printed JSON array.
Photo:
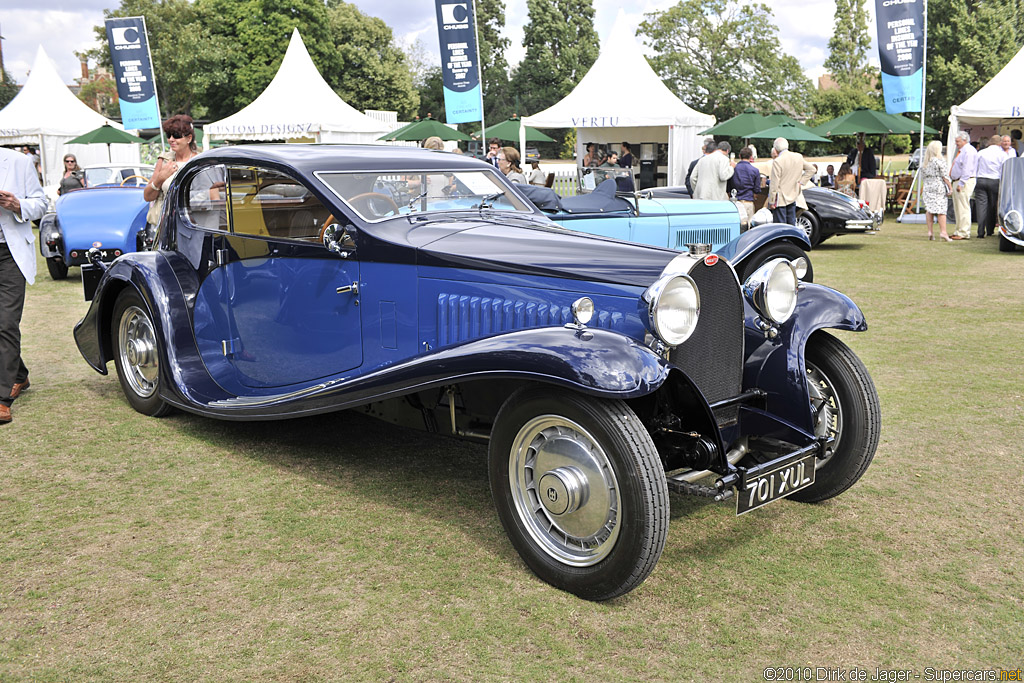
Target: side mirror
[{"x": 340, "y": 240}]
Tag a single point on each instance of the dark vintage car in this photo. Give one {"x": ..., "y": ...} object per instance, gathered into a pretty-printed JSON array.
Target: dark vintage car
[
  {"x": 422, "y": 288},
  {"x": 1011, "y": 205},
  {"x": 108, "y": 218}
]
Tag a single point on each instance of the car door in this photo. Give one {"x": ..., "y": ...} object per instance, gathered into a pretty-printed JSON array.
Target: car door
[{"x": 290, "y": 308}]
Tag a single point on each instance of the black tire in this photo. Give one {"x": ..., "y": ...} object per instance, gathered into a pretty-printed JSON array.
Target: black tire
[
  {"x": 809, "y": 222},
  {"x": 786, "y": 250},
  {"x": 1005, "y": 244},
  {"x": 847, "y": 404},
  {"x": 565, "y": 442},
  {"x": 137, "y": 352},
  {"x": 58, "y": 269}
]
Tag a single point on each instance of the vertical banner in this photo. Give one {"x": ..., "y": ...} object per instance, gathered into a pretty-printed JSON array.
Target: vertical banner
[
  {"x": 133, "y": 72},
  {"x": 460, "y": 73},
  {"x": 901, "y": 52}
]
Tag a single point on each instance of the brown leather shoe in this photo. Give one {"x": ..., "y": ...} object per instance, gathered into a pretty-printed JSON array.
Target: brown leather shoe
[
  {"x": 958, "y": 237},
  {"x": 5, "y": 414},
  {"x": 19, "y": 387}
]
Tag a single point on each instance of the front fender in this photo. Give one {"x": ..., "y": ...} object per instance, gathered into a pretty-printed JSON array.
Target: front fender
[
  {"x": 755, "y": 238},
  {"x": 777, "y": 365}
]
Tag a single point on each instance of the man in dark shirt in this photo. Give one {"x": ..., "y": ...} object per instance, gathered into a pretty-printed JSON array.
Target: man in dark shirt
[
  {"x": 829, "y": 179},
  {"x": 745, "y": 181},
  {"x": 626, "y": 158}
]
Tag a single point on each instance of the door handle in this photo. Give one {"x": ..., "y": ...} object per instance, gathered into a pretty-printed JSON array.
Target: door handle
[{"x": 352, "y": 288}]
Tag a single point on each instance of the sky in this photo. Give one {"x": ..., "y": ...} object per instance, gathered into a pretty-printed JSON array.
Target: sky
[{"x": 63, "y": 27}]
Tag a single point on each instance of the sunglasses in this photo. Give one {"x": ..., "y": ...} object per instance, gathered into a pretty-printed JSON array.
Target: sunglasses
[
  {"x": 69, "y": 161},
  {"x": 175, "y": 136}
]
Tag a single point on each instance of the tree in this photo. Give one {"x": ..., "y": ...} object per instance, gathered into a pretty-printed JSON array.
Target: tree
[
  {"x": 374, "y": 73},
  {"x": 103, "y": 92},
  {"x": 431, "y": 94},
  {"x": 490, "y": 22},
  {"x": 721, "y": 58},
  {"x": 188, "y": 61},
  {"x": 849, "y": 45},
  {"x": 8, "y": 88},
  {"x": 561, "y": 46},
  {"x": 969, "y": 41}
]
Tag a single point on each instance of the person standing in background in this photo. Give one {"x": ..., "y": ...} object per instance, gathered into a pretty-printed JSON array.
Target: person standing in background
[
  {"x": 962, "y": 173},
  {"x": 789, "y": 173},
  {"x": 986, "y": 188},
  {"x": 21, "y": 201},
  {"x": 626, "y": 158},
  {"x": 935, "y": 188},
  {"x": 711, "y": 174},
  {"x": 745, "y": 182}
]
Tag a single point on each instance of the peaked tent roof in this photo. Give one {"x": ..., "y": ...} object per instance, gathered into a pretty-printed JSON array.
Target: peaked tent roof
[
  {"x": 45, "y": 106},
  {"x": 996, "y": 99},
  {"x": 297, "y": 103},
  {"x": 592, "y": 104}
]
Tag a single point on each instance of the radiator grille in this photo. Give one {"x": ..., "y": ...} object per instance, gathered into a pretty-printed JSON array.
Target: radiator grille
[
  {"x": 716, "y": 237},
  {"x": 461, "y": 318},
  {"x": 713, "y": 355}
]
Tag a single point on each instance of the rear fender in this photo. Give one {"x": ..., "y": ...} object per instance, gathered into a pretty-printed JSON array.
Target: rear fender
[
  {"x": 777, "y": 365},
  {"x": 755, "y": 238}
]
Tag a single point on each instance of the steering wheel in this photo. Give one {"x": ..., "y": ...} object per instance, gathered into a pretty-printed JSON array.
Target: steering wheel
[
  {"x": 137, "y": 177},
  {"x": 368, "y": 199},
  {"x": 327, "y": 221}
]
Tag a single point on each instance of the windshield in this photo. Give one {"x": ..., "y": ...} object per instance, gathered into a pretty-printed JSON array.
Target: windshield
[
  {"x": 378, "y": 196},
  {"x": 115, "y": 175}
]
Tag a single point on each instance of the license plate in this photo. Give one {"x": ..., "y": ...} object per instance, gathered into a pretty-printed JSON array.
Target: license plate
[{"x": 776, "y": 484}]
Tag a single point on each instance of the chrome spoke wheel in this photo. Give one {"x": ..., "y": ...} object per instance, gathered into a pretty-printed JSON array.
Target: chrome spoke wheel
[
  {"x": 827, "y": 409},
  {"x": 564, "y": 490},
  {"x": 136, "y": 347}
]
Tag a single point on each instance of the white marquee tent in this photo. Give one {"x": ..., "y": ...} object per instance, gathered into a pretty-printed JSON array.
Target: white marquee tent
[
  {"x": 999, "y": 103},
  {"x": 46, "y": 114},
  {"x": 622, "y": 98},
  {"x": 297, "y": 105}
]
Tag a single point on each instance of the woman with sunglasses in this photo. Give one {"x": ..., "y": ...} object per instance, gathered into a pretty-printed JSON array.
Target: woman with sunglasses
[
  {"x": 73, "y": 178},
  {"x": 183, "y": 147}
]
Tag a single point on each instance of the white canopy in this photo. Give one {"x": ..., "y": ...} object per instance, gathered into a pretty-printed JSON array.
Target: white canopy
[
  {"x": 621, "y": 90},
  {"x": 998, "y": 103},
  {"x": 46, "y": 114},
  {"x": 298, "y": 104}
]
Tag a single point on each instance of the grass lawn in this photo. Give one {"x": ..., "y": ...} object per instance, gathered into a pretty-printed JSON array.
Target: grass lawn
[{"x": 338, "y": 547}]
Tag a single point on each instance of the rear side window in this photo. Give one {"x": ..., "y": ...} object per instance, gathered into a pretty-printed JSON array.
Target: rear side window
[
  {"x": 268, "y": 203},
  {"x": 206, "y": 199}
]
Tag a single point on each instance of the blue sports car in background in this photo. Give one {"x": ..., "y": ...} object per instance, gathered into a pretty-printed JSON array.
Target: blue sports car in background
[
  {"x": 108, "y": 218},
  {"x": 424, "y": 289}
]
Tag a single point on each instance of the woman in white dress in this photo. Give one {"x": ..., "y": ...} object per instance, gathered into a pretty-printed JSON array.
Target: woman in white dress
[{"x": 935, "y": 188}]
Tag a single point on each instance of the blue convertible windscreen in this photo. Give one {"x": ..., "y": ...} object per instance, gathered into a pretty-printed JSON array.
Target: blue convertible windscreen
[{"x": 378, "y": 196}]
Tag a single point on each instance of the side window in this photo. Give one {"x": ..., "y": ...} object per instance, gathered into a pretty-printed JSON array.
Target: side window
[
  {"x": 268, "y": 203},
  {"x": 206, "y": 199}
]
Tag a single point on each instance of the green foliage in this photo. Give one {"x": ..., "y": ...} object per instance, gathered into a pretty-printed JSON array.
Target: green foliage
[
  {"x": 568, "y": 145},
  {"x": 105, "y": 92},
  {"x": 849, "y": 45},
  {"x": 431, "y": 94},
  {"x": 720, "y": 58},
  {"x": 490, "y": 22},
  {"x": 969, "y": 41},
  {"x": 188, "y": 61},
  {"x": 8, "y": 88},
  {"x": 373, "y": 73}
]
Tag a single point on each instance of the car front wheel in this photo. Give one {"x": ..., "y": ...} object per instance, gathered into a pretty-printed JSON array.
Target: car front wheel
[
  {"x": 1005, "y": 244},
  {"x": 846, "y": 407},
  {"x": 580, "y": 490},
  {"x": 137, "y": 354}
]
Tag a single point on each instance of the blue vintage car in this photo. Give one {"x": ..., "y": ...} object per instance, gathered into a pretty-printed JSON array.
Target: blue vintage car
[
  {"x": 1011, "y": 205},
  {"x": 422, "y": 288},
  {"x": 108, "y": 218}
]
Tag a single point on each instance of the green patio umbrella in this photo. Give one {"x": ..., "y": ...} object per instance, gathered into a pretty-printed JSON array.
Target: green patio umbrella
[
  {"x": 861, "y": 120},
  {"x": 912, "y": 126},
  {"x": 739, "y": 126},
  {"x": 777, "y": 117},
  {"x": 392, "y": 134},
  {"x": 790, "y": 131},
  {"x": 426, "y": 128},
  {"x": 509, "y": 130},
  {"x": 105, "y": 135}
]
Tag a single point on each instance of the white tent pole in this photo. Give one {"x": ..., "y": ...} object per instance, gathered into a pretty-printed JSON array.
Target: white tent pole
[{"x": 924, "y": 92}]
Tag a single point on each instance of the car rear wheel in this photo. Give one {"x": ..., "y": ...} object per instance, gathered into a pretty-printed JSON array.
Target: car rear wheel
[
  {"x": 1004, "y": 244},
  {"x": 580, "y": 490},
  {"x": 768, "y": 252},
  {"x": 137, "y": 354},
  {"x": 811, "y": 225},
  {"x": 846, "y": 407},
  {"x": 58, "y": 269}
]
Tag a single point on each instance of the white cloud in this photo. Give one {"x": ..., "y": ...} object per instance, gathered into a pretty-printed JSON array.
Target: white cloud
[{"x": 60, "y": 32}]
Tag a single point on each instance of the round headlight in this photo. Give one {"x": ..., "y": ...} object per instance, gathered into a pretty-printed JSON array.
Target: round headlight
[
  {"x": 583, "y": 310},
  {"x": 800, "y": 264},
  {"x": 773, "y": 290},
  {"x": 673, "y": 306},
  {"x": 1013, "y": 222}
]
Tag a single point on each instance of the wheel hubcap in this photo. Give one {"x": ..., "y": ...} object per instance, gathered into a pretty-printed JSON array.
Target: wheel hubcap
[
  {"x": 827, "y": 409},
  {"x": 564, "y": 490},
  {"x": 137, "y": 345}
]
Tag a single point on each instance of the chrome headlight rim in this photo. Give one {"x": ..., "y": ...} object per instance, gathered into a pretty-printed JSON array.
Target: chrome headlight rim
[
  {"x": 658, "y": 320},
  {"x": 1013, "y": 221},
  {"x": 772, "y": 289}
]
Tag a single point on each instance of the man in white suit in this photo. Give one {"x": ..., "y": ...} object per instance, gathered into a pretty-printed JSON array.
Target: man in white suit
[{"x": 21, "y": 202}]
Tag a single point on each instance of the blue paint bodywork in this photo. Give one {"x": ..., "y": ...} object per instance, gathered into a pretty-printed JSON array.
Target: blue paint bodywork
[
  {"x": 258, "y": 327},
  {"x": 108, "y": 218}
]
